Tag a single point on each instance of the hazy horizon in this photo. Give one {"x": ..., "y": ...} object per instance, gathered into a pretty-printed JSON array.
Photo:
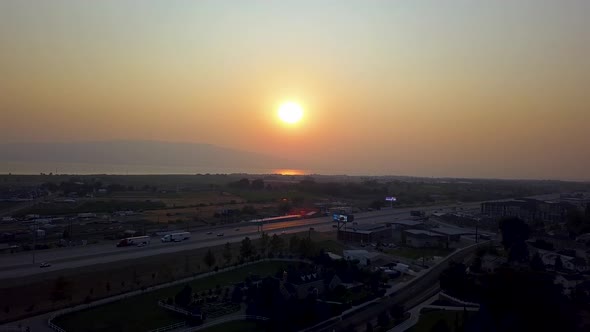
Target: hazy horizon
[{"x": 468, "y": 89}]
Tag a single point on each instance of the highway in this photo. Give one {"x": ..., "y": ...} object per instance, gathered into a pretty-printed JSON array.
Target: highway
[{"x": 21, "y": 264}]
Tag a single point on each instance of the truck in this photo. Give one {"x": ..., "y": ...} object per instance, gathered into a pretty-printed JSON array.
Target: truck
[
  {"x": 134, "y": 241},
  {"x": 176, "y": 237}
]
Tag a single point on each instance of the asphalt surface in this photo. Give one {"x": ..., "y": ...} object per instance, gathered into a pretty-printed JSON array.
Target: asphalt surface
[{"x": 24, "y": 264}]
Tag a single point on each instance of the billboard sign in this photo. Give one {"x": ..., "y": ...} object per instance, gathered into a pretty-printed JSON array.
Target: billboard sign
[{"x": 340, "y": 217}]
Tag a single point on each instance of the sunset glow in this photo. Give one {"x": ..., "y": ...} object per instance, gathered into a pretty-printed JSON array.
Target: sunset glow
[{"x": 290, "y": 112}]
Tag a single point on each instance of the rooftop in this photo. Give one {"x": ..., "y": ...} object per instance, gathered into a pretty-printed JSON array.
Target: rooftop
[
  {"x": 451, "y": 231},
  {"x": 406, "y": 222},
  {"x": 422, "y": 232}
]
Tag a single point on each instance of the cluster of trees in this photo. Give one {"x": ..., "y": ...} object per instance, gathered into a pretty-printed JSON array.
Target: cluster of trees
[
  {"x": 82, "y": 187},
  {"x": 244, "y": 183}
]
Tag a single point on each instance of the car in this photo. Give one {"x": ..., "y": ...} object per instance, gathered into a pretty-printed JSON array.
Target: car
[
  {"x": 44, "y": 264},
  {"x": 209, "y": 233},
  {"x": 219, "y": 234},
  {"x": 141, "y": 244}
]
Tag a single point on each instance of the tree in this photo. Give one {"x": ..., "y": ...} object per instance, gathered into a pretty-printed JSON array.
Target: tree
[
  {"x": 514, "y": 234},
  {"x": 209, "y": 258},
  {"x": 306, "y": 247},
  {"x": 476, "y": 265},
  {"x": 397, "y": 312},
  {"x": 558, "y": 263},
  {"x": 258, "y": 184},
  {"x": 184, "y": 297},
  {"x": 264, "y": 242},
  {"x": 376, "y": 204},
  {"x": 60, "y": 289},
  {"x": 227, "y": 253},
  {"x": 537, "y": 263},
  {"x": 246, "y": 249},
  {"x": 293, "y": 243},
  {"x": 276, "y": 243},
  {"x": 440, "y": 326},
  {"x": 284, "y": 208},
  {"x": 249, "y": 210},
  {"x": 383, "y": 319}
]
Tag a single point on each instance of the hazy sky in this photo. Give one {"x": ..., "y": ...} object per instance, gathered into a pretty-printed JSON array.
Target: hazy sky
[{"x": 434, "y": 88}]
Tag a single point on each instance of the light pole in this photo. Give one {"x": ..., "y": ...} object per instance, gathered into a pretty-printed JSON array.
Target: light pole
[{"x": 34, "y": 240}]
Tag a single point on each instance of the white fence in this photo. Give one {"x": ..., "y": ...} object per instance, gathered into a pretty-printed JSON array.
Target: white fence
[
  {"x": 169, "y": 327},
  {"x": 153, "y": 288},
  {"x": 225, "y": 320}
]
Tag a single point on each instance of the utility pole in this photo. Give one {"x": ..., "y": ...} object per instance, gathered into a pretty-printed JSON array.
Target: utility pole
[{"x": 34, "y": 241}]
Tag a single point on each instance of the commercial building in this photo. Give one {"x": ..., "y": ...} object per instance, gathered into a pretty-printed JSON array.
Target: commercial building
[
  {"x": 399, "y": 226},
  {"x": 527, "y": 209},
  {"x": 368, "y": 233},
  {"x": 419, "y": 238},
  {"x": 452, "y": 234}
]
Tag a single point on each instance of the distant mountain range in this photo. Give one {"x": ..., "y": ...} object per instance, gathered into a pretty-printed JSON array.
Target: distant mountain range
[{"x": 154, "y": 153}]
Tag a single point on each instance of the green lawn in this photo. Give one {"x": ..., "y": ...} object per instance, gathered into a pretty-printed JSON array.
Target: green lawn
[
  {"x": 141, "y": 313},
  {"x": 237, "y": 326},
  {"x": 429, "y": 319},
  {"x": 415, "y": 253}
]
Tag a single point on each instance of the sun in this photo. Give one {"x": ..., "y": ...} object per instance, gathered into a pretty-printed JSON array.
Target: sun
[{"x": 290, "y": 112}]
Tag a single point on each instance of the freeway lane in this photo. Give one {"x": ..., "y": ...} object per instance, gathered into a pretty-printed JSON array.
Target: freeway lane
[{"x": 21, "y": 264}]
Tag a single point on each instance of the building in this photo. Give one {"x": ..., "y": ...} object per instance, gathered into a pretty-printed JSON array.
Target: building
[
  {"x": 419, "y": 238},
  {"x": 399, "y": 226},
  {"x": 368, "y": 233},
  {"x": 527, "y": 209},
  {"x": 364, "y": 257},
  {"x": 452, "y": 234},
  {"x": 568, "y": 282}
]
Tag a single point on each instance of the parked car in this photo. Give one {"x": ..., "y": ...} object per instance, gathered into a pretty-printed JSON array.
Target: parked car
[
  {"x": 45, "y": 264},
  {"x": 219, "y": 234},
  {"x": 209, "y": 233}
]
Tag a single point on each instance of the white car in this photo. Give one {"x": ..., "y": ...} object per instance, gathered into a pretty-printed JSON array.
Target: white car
[
  {"x": 141, "y": 244},
  {"x": 219, "y": 234}
]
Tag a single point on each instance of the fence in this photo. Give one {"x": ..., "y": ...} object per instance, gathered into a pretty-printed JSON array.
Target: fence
[
  {"x": 169, "y": 327},
  {"x": 153, "y": 288},
  {"x": 13, "y": 329},
  {"x": 225, "y": 320}
]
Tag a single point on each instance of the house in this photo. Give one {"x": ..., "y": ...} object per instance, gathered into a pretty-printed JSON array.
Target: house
[
  {"x": 421, "y": 238},
  {"x": 568, "y": 282},
  {"x": 489, "y": 263},
  {"x": 302, "y": 285},
  {"x": 364, "y": 257}
]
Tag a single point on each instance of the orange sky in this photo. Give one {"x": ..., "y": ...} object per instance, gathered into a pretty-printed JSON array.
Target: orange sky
[{"x": 464, "y": 88}]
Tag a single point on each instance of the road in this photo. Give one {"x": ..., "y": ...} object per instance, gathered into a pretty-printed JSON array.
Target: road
[
  {"x": 21, "y": 264},
  {"x": 414, "y": 293}
]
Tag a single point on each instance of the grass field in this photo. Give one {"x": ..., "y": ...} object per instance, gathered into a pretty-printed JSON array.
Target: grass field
[
  {"x": 141, "y": 313},
  {"x": 429, "y": 319}
]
